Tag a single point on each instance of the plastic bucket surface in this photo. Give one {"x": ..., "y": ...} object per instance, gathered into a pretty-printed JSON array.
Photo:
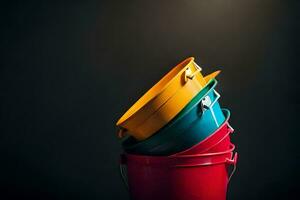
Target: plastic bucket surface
[
  {"x": 193, "y": 177},
  {"x": 164, "y": 100},
  {"x": 199, "y": 119},
  {"x": 217, "y": 142}
]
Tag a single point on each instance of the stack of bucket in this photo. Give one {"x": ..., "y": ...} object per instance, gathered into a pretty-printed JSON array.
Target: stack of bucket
[{"x": 176, "y": 139}]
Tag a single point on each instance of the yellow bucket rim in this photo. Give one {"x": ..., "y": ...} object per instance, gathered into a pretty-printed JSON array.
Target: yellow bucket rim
[
  {"x": 156, "y": 90},
  {"x": 147, "y": 132}
]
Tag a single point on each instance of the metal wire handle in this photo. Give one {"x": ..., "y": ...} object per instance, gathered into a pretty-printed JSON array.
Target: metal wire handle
[
  {"x": 122, "y": 170},
  {"x": 206, "y": 104},
  {"x": 232, "y": 162},
  {"x": 189, "y": 74},
  {"x": 121, "y": 132},
  {"x": 123, "y": 175},
  {"x": 230, "y": 128},
  {"x": 210, "y": 104}
]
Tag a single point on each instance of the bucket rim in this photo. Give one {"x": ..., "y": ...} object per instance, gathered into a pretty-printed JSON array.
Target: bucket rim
[
  {"x": 146, "y": 158},
  {"x": 198, "y": 98},
  {"x": 231, "y": 149},
  {"x": 183, "y": 64},
  {"x": 170, "y": 162},
  {"x": 209, "y": 87},
  {"x": 227, "y": 114}
]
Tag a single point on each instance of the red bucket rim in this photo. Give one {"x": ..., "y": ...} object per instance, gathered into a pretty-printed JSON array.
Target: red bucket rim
[
  {"x": 206, "y": 141},
  {"x": 168, "y": 160}
]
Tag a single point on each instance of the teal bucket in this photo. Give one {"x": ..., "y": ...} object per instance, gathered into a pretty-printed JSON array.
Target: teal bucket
[{"x": 198, "y": 120}]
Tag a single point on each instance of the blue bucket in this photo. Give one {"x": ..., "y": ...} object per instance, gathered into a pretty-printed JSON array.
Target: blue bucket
[{"x": 199, "y": 119}]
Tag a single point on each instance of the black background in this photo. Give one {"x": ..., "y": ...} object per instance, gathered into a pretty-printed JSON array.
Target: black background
[{"x": 69, "y": 69}]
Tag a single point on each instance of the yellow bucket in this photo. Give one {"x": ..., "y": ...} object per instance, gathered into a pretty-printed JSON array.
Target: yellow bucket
[{"x": 164, "y": 100}]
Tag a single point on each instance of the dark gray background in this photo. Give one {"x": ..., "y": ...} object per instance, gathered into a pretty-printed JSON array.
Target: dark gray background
[{"x": 69, "y": 69}]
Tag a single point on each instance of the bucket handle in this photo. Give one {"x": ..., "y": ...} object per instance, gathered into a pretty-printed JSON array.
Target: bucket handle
[
  {"x": 121, "y": 132},
  {"x": 209, "y": 104},
  {"x": 189, "y": 75},
  {"x": 233, "y": 162},
  {"x": 206, "y": 104},
  {"x": 217, "y": 97},
  {"x": 231, "y": 130},
  {"x": 123, "y": 174}
]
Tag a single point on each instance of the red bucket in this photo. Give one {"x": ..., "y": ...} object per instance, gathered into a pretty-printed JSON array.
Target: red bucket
[
  {"x": 219, "y": 141},
  {"x": 182, "y": 177}
]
